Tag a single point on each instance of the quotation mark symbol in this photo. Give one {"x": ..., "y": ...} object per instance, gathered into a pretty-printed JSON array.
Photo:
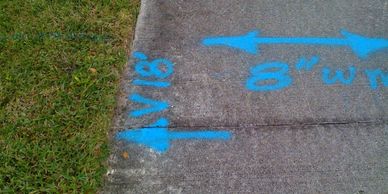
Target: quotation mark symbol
[{"x": 306, "y": 65}]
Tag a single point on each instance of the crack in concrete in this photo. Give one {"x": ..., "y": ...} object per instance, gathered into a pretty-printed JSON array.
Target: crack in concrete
[{"x": 313, "y": 124}]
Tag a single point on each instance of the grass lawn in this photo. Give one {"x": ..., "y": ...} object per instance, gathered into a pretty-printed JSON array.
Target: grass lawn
[{"x": 60, "y": 63}]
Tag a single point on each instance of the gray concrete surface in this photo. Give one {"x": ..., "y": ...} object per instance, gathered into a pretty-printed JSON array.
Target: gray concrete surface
[{"x": 306, "y": 138}]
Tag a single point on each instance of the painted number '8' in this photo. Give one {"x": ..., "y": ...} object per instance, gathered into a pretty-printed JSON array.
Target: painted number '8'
[
  {"x": 154, "y": 68},
  {"x": 272, "y": 71}
]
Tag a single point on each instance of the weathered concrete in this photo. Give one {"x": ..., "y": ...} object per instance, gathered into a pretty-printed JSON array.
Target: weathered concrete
[{"x": 306, "y": 138}]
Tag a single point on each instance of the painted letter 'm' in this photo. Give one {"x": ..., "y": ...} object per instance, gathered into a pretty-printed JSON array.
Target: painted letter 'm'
[{"x": 373, "y": 76}]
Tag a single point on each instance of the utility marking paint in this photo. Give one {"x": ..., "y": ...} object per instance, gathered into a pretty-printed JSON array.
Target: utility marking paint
[
  {"x": 280, "y": 73},
  {"x": 362, "y": 46},
  {"x": 275, "y": 75},
  {"x": 158, "y": 84},
  {"x": 338, "y": 76},
  {"x": 154, "y": 105},
  {"x": 373, "y": 75},
  {"x": 157, "y": 135},
  {"x": 303, "y": 64}
]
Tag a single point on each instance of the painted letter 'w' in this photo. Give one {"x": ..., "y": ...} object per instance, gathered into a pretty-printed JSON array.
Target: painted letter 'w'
[{"x": 339, "y": 76}]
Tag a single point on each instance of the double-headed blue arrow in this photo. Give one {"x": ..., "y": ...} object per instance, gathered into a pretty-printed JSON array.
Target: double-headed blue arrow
[
  {"x": 158, "y": 137},
  {"x": 361, "y": 46}
]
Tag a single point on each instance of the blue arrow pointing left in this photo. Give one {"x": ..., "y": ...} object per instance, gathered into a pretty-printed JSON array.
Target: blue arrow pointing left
[
  {"x": 362, "y": 46},
  {"x": 158, "y": 137}
]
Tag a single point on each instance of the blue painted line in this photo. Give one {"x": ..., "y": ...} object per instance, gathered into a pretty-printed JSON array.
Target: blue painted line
[
  {"x": 158, "y": 138},
  {"x": 157, "y": 84},
  {"x": 362, "y": 46},
  {"x": 207, "y": 134}
]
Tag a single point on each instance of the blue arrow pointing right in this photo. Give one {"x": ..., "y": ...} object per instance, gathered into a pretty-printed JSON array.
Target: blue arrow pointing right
[{"x": 360, "y": 45}]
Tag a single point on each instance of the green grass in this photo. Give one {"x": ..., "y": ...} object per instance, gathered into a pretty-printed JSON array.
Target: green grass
[{"x": 55, "y": 109}]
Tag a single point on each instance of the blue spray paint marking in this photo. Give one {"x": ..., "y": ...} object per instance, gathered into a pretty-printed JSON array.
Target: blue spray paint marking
[
  {"x": 339, "y": 76},
  {"x": 158, "y": 137},
  {"x": 139, "y": 56},
  {"x": 303, "y": 64},
  {"x": 155, "y": 106},
  {"x": 373, "y": 75},
  {"x": 265, "y": 72},
  {"x": 274, "y": 76},
  {"x": 157, "y": 84},
  {"x": 149, "y": 69},
  {"x": 362, "y": 46},
  {"x": 162, "y": 122}
]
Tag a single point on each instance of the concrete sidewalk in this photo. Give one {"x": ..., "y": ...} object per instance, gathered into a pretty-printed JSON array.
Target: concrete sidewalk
[{"x": 299, "y": 105}]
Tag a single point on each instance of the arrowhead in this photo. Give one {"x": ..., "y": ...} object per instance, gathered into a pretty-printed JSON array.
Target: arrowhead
[
  {"x": 154, "y": 137},
  {"x": 244, "y": 42},
  {"x": 363, "y": 46}
]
